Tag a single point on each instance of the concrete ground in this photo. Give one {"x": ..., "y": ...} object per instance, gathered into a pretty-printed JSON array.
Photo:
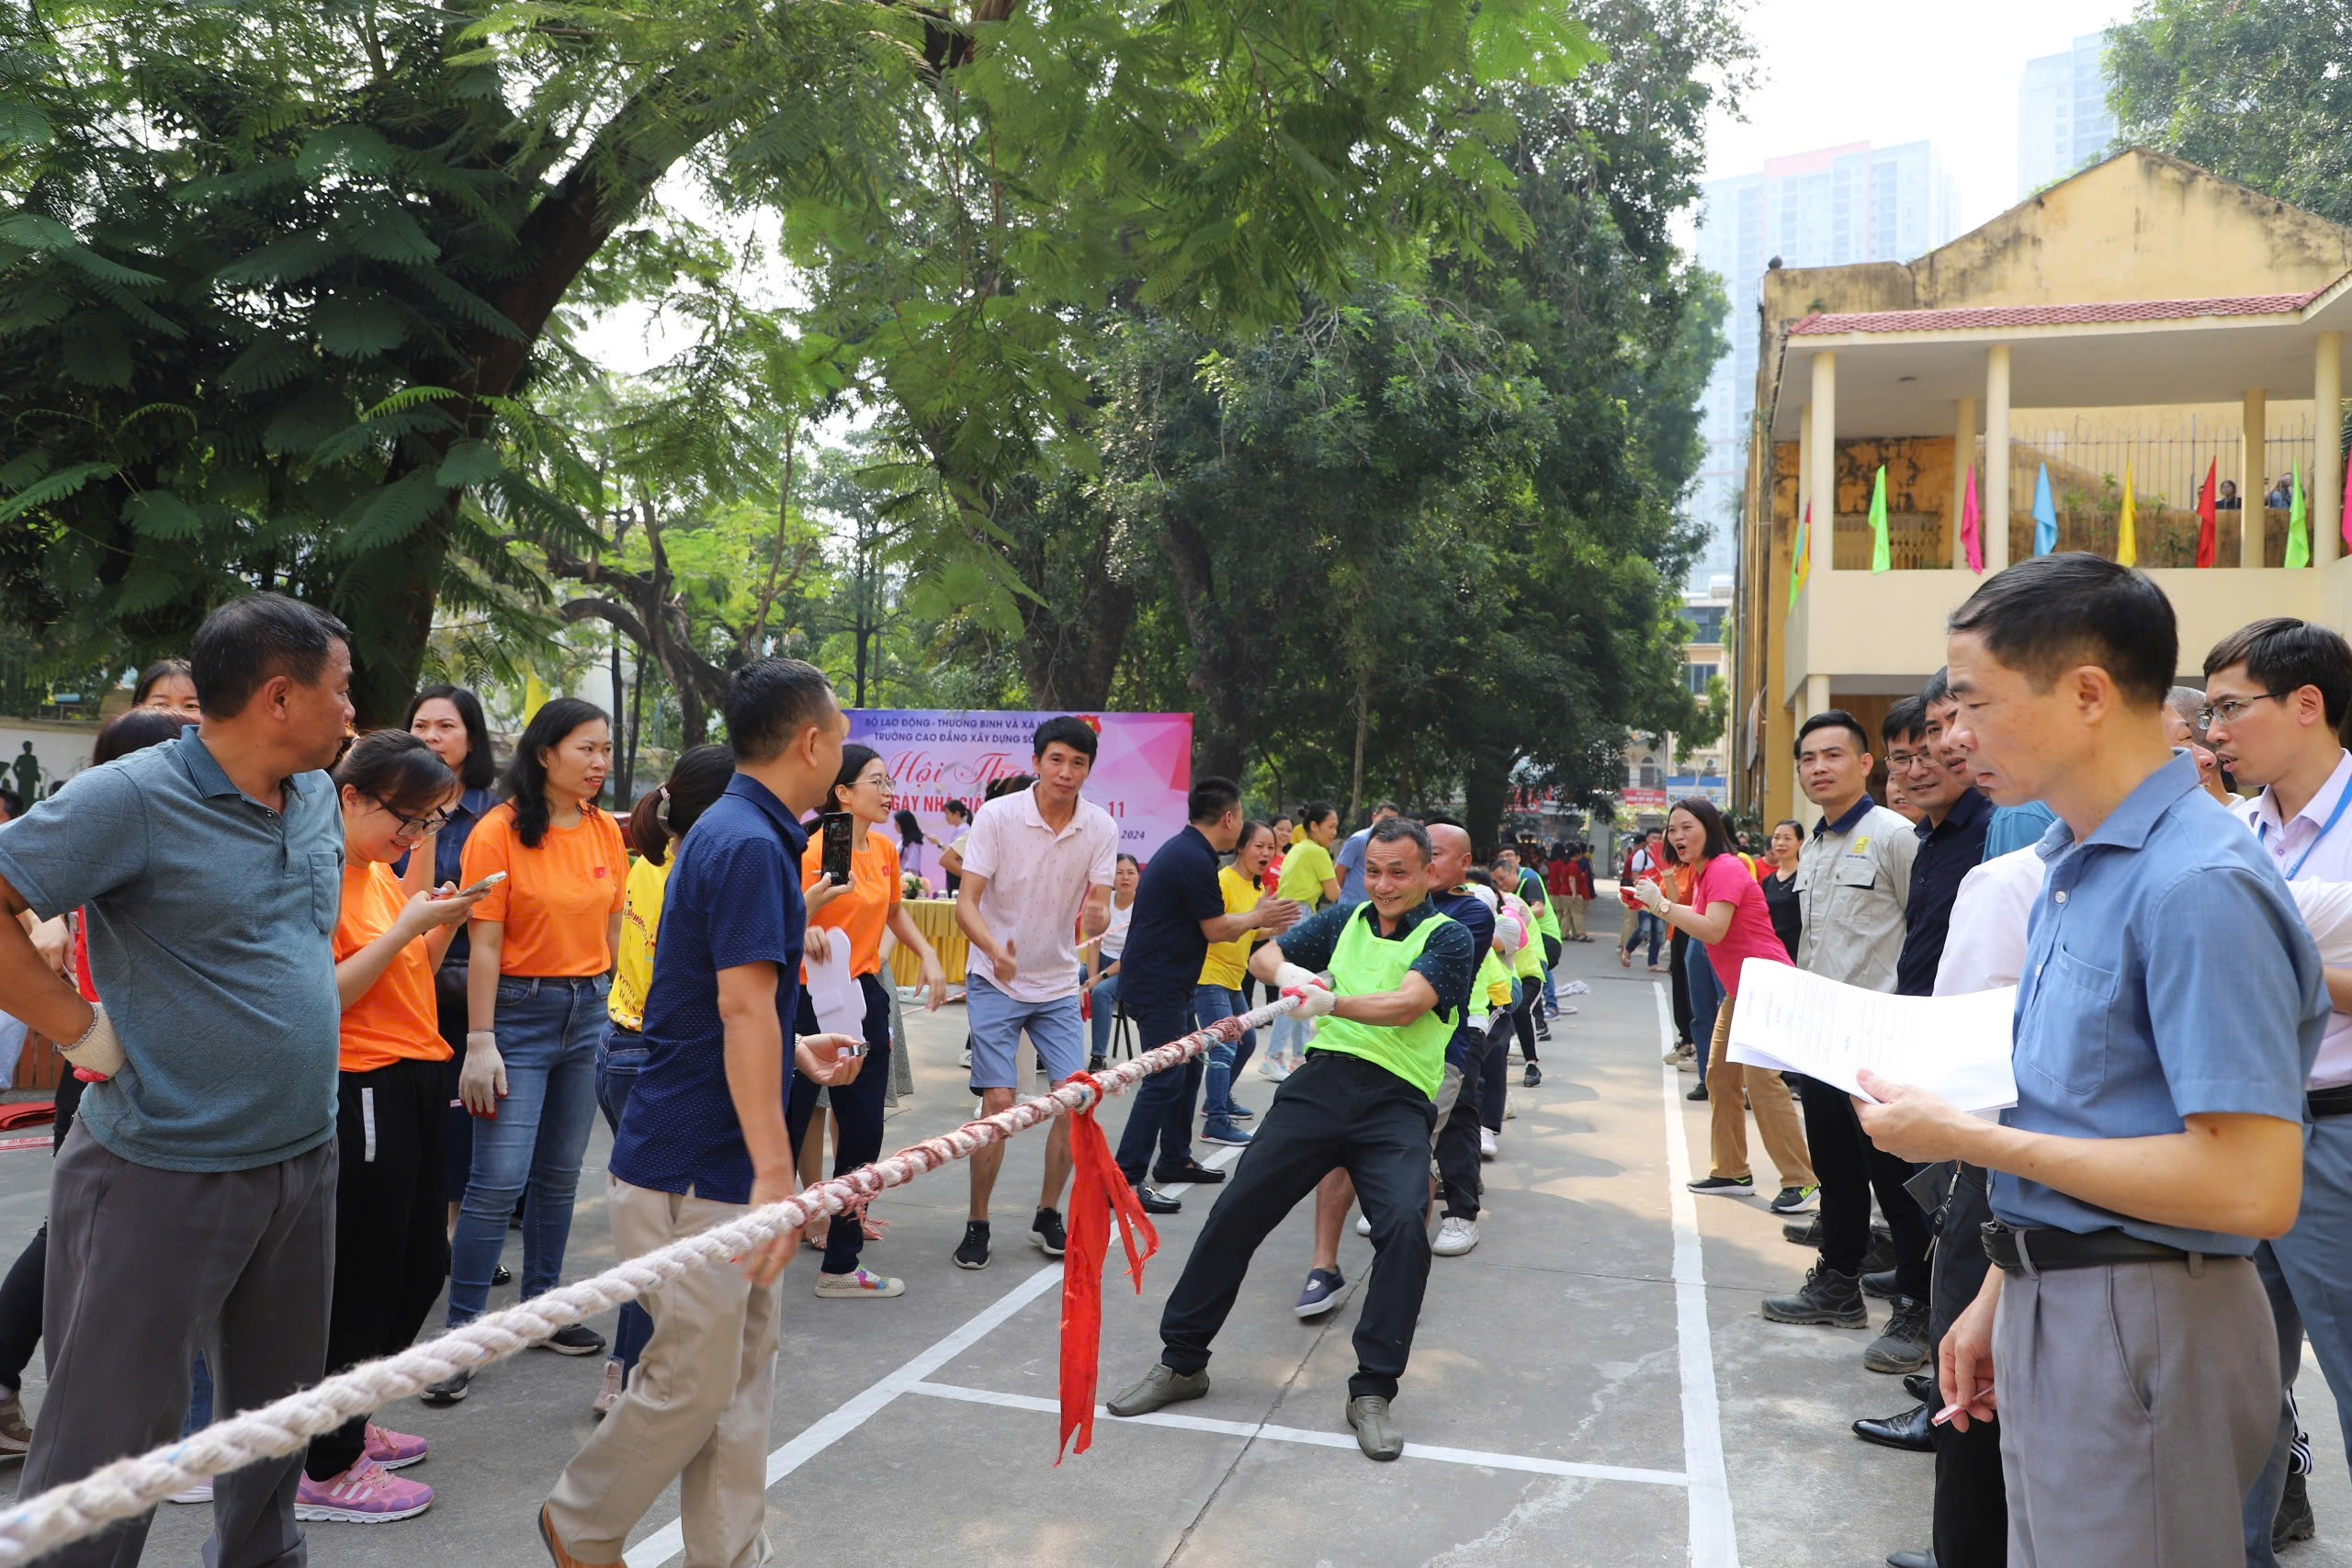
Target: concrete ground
[{"x": 1592, "y": 1386}]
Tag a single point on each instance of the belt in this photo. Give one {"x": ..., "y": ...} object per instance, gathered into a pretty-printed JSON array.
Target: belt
[
  {"x": 2040, "y": 1248},
  {"x": 2336, "y": 1101}
]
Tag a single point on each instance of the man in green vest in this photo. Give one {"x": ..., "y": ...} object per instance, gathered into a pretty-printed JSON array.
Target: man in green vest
[{"x": 1364, "y": 1101}]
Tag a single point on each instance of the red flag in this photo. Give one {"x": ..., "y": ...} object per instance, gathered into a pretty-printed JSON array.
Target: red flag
[
  {"x": 2205, "y": 516},
  {"x": 1097, "y": 1194}
]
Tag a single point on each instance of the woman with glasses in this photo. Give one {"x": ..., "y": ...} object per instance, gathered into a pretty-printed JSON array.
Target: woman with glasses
[
  {"x": 856, "y": 912},
  {"x": 543, "y": 942},
  {"x": 392, "y": 1114}
]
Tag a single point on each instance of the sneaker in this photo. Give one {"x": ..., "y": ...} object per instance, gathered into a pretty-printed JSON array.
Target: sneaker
[
  {"x": 1224, "y": 1132},
  {"x": 199, "y": 1493},
  {"x": 1157, "y": 1387},
  {"x": 1829, "y": 1299},
  {"x": 1510, "y": 1109},
  {"x": 1699, "y": 1093},
  {"x": 16, "y": 1437},
  {"x": 972, "y": 1251},
  {"x": 394, "y": 1451},
  {"x": 1271, "y": 1068},
  {"x": 1904, "y": 1347},
  {"x": 1676, "y": 1055},
  {"x": 615, "y": 1383},
  {"x": 1726, "y": 1186},
  {"x": 574, "y": 1339},
  {"x": 1485, "y": 1144},
  {"x": 1236, "y": 1112},
  {"x": 965, "y": 1060},
  {"x": 1047, "y": 1231},
  {"x": 1363, "y": 1225},
  {"x": 1805, "y": 1234},
  {"x": 1534, "y": 1075},
  {"x": 1093, "y": 1064},
  {"x": 1881, "y": 1284},
  {"x": 859, "y": 1283},
  {"x": 1455, "y": 1235},
  {"x": 1797, "y": 1200},
  {"x": 367, "y": 1494},
  {"x": 1324, "y": 1290},
  {"x": 2293, "y": 1521},
  {"x": 449, "y": 1389}
]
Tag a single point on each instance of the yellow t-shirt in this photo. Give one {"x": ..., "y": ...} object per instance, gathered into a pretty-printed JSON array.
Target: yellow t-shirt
[
  {"x": 1305, "y": 872},
  {"x": 641, "y": 923},
  {"x": 1226, "y": 960}
]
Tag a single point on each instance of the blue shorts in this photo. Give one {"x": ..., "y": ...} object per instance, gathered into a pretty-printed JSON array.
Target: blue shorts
[{"x": 997, "y": 1020}]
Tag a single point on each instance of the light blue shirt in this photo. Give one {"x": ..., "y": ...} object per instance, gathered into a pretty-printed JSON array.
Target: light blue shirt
[
  {"x": 2015, "y": 827},
  {"x": 2167, "y": 974},
  {"x": 1350, "y": 864}
]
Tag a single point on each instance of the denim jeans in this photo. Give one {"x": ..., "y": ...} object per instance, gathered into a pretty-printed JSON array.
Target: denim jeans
[
  {"x": 549, "y": 1030},
  {"x": 1706, "y": 993},
  {"x": 1290, "y": 1034},
  {"x": 1647, "y": 925},
  {"x": 620, "y": 1056},
  {"x": 1103, "y": 1005},
  {"x": 1211, "y": 1003}
]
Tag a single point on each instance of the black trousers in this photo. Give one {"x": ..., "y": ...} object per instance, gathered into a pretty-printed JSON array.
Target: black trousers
[
  {"x": 1679, "y": 977},
  {"x": 21, "y": 1292},
  {"x": 392, "y": 1220},
  {"x": 1457, "y": 1143},
  {"x": 857, "y": 1110},
  {"x": 1341, "y": 1112},
  {"x": 1494, "y": 1077},
  {"x": 1971, "y": 1497},
  {"x": 1850, "y": 1168},
  {"x": 1163, "y": 1112},
  {"x": 1523, "y": 1015}
]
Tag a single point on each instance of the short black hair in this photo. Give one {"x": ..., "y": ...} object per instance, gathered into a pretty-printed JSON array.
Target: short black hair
[
  {"x": 1011, "y": 784},
  {"x": 1210, "y": 798},
  {"x": 1074, "y": 733},
  {"x": 770, "y": 701},
  {"x": 163, "y": 668},
  {"x": 135, "y": 730},
  {"x": 2048, "y": 614},
  {"x": 479, "y": 769},
  {"x": 1938, "y": 689},
  {"x": 1386, "y": 806},
  {"x": 1399, "y": 829},
  {"x": 1832, "y": 718},
  {"x": 1903, "y": 719},
  {"x": 257, "y": 638},
  {"x": 396, "y": 770},
  {"x": 2286, "y": 655},
  {"x": 13, "y": 801}
]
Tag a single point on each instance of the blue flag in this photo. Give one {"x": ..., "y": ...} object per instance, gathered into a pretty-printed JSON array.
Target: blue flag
[{"x": 2045, "y": 515}]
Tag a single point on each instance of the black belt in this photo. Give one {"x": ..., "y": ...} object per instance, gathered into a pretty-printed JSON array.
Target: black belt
[
  {"x": 2336, "y": 1101},
  {"x": 2046, "y": 1249}
]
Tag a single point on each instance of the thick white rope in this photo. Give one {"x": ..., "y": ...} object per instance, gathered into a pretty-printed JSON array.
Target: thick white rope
[{"x": 130, "y": 1487}]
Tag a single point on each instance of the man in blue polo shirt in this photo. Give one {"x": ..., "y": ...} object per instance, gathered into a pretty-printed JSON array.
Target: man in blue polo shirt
[
  {"x": 2124, "y": 1322},
  {"x": 1348, "y": 861},
  {"x": 703, "y": 1141}
]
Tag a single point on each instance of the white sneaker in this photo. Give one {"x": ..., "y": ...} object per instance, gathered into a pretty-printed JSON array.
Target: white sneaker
[
  {"x": 199, "y": 1493},
  {"x": 1455, "y": 1236},
  {"x": 615, "y": 1380},
  {"x": 1363, "y": 1225},
  {"x": 1510, "y": 1109},
  {"x": 861, "y": 1284},
  {"x": 1273, "y": 1067},
  {"x": 1485, "y": 1144}
]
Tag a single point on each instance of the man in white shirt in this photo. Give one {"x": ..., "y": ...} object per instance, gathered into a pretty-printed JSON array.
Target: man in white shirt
[
  {"x": 1039, "y": 860},
  {"x": 2276, "y": 697}
]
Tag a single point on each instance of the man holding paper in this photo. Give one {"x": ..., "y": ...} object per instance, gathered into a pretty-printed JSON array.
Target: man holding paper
[{"x": 2124, "y": 1325}]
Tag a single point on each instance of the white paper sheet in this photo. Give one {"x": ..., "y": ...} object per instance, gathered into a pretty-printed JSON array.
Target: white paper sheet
[
  {"x": 1959, "y": 1047},
  {"x": 839, "y": 1001}
]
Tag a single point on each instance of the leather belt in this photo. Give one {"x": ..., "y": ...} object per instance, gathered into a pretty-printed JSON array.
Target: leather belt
[
  {"x": 2336, "y": 1101},
  {"x": 2044, "y": 1248}
]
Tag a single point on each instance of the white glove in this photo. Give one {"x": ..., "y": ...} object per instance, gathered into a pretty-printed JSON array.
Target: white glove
[
  {"x": 482, "y": 1080},
  {"x": 1293, "y": 975},
  {"x": 1314, "y": 1001},
  {"x": 99, "y": 1049}
]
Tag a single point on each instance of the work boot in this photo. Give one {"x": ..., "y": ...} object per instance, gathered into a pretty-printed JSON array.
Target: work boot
[
  {"x": 1829, "y": 1299},
  {"x": 1377, "y": 1433},
  {"x": 1903, "y": 1347},
  {"x": 2293, "y": 1521},
  {"x": 1161, "y": 1385}
]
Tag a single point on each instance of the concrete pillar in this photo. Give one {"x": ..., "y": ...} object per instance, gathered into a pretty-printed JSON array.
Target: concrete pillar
[
  {"x": 1816, "y": 697},
  {"x": 2327, "y": 452},
  {"x": 1963, "y": 453},
  {"x": 1804, "y": 482},
  {"x": 1823, "y": 490},
  {"x": 2250, "y": 476},
  {"x": 1996, "y": 457}
]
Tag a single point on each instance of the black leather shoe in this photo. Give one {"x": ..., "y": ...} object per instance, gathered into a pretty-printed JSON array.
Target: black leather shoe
[
  {"x": 1195, "y": 1172},
  {"x": 1913, "y": 1430},
  {"x": 1911, "y": 1560},
  {"x": 1882, "y": 1284},
  {"x": 1921, "y": 1386},
  {"x": 1155, "y": 1201}
]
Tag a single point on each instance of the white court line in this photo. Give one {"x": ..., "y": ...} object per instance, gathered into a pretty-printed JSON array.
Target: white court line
[
  {"x": 669, "y": 1540},
  {"x": 1311, "y": 1438},
  {"x": 1713, "y": 1543}
]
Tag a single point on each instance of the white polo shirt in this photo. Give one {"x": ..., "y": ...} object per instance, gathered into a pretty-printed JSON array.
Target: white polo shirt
[
  {"x": 1984, "y": 944},
  {"x": 1037, "y": 881},
  {"x": 2308, "y": 850}
]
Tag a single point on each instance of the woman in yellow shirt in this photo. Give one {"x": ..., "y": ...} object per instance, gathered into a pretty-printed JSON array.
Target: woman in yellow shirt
[
  {"x": 1311, "y": 881},
  {"x": 1218, "y": 994}
]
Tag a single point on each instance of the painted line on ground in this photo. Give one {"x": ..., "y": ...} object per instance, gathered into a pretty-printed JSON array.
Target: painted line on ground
[
  {"x": 1109, "y": 1422},
  {"x": 1713, "y": 1541},
  {"x": 667, "y": 1543}
]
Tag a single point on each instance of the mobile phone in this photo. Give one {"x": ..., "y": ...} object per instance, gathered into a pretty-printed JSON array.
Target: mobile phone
[
  {"x": 837, "y": 825},
  {"x": 484, "y": 886}
]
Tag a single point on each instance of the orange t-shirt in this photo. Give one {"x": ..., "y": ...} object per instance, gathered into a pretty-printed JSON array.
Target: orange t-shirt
[
  {"x": 864, "y": 909},
  {"x": 398, "y": 1019},
  {"x": 557, "y": 900}
]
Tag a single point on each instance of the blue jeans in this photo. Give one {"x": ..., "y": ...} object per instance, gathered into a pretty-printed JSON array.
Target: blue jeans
[
  {"x": 1654, "y": 928},
  {"x": 1211, "y": 1003},
  {"x": 620, "y": 1056},
  {"x": 1706, "y": 991},
  {"x": 1105, "y": 1003},
  {"x": 199, "y": 1402},
  {"x": 1290, "y": 1034},
  {"x": 548, "y": 1032}
]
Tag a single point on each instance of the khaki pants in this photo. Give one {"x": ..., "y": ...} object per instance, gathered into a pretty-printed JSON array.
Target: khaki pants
[
  {"x": 1569, "y": 907},
  {"x": 697, "y": 1409},
  {"x": 1776, "y": 1113}
]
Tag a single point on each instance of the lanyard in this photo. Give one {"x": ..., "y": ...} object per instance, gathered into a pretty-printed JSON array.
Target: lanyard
[{"x": 2262, "y": 832}]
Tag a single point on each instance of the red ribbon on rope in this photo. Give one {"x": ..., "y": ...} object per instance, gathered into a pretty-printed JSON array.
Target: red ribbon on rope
[{"x": 1098, "y": 1194}]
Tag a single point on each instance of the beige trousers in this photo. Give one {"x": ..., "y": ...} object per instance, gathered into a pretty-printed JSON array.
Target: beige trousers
[
  {"x": 1776, "y": 1113},
  {"x": 1569, "y": 907},
  {"x": 697, "y": 1406}
]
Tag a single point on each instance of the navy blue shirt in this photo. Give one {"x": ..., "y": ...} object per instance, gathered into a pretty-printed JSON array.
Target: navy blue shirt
[
  {"x": 1161, "y": 963},
  {"x": 733, "y": 899},
  {"x": 1948, "y": 850},
  {"x": 1469, "y": 1041}
]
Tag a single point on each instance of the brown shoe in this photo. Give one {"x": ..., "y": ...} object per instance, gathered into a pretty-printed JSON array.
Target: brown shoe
[
  {"x": 557, "y": 1550},
  {"x": 16, "y": 1437}
]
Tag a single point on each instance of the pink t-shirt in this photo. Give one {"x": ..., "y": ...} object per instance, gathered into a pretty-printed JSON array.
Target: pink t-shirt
[{"x": 1724, "y": 880}]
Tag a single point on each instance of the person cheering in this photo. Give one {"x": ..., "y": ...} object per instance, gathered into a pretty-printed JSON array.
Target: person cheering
[{"x": 1218, "y": 994}]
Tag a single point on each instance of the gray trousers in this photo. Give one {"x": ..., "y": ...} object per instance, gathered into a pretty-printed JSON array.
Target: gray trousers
[
  {"x": 146, "y": 1267},
  {"x": 2138, "y": 1405},
  {"x": 2308, "y": 1273}
]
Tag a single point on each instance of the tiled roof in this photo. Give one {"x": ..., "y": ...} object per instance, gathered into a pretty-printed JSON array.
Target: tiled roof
[{"x": 2050, "y": 315}]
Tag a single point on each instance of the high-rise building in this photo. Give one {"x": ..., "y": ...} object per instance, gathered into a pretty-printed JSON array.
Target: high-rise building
[
  {"x": 1830, "y": 208},
  {"x": 2064, "y": 123}
]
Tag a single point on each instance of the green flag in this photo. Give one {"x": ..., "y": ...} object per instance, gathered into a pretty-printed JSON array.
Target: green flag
[
  {"x": 2299, "y": 532},
  {"x": 1879, "y": 561}
]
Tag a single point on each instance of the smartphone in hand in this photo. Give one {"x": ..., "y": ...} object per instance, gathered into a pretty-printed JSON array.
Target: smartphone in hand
[
  {"x": 837, "y": 827},
  {"x": 484, "y": 886}
]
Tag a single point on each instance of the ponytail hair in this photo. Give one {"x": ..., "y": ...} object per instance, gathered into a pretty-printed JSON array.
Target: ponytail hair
[{"x": 662, "y": 814}]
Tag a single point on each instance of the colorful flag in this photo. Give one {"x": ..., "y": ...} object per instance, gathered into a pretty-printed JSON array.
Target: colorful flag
[
  {"x": 2344, "y": 511},
  {"x": 1801, "y": 555},
  {"x": 2045, "y": 514},
  {"x": 2205, "y": 516},
  {"x": 2299, "y": 530},
  {"x": 1971, "y": 524},
  {"x": 1879, "y": 561},
  {"x": 2127, "y": 540}
]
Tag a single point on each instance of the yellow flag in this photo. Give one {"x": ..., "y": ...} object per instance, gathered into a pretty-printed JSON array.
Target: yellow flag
[
  {"x": 2127, "y": 544},
  {"x": 534, "y": 694}
]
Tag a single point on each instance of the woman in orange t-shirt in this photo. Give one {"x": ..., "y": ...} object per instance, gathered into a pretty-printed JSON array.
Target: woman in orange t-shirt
[
  {"x": 536, "y": 988},
  {"x": 856, "y": 912},
  {"x": 391, "y": 1108}
]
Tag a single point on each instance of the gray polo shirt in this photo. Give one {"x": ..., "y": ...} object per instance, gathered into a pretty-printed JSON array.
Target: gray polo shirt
[
  {"x": 1854, "y": 885},
  {"x": 211, "y": 919}
]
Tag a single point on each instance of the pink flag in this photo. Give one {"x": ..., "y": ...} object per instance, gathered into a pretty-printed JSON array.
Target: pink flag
[
  {"x": 1971, "y": 532},
  {"x": 2344, "y": 511}
]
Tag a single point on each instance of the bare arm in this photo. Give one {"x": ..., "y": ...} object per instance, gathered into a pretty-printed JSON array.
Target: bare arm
[
  {"x": 31, "y": 987},
  {"x": 1708, "y": 928},
  {"x": 1269, "y": 913},
  {"x": 950, "y": 862},
  {"x": 934, "y": 974},
  {"x": 489, "y": 940},
  {"x": 2339, "y": 989},
  {"x": 755, "y": 1067},
  {"x": 968, "y": 922},
  {"x": 418, "y": 877},
  {"x": 433, "y": 920},
  {"x": 1408, "y": 1003},
  {"x": 613, "y": 940},
  {"x": 1094, "y": 919},
  {"x": 1330, "y": 890}
]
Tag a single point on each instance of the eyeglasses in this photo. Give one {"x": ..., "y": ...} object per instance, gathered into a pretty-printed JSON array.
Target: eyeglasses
[
  {"x": 2229, "y": 709},
  {"x": 1902, "y": 761},
  {"x": 412, "y": 828}
]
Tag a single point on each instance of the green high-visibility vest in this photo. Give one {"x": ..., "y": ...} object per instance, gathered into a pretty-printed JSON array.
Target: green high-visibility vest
[
  {"x": 1547, "y": 919},
  {"x": 1364, "y": 964}
]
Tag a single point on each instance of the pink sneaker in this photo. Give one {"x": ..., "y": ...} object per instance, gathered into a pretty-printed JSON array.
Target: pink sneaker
[
  {"x": 394, "y": 1451},
  {"x": 367, "y": 1494}
]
